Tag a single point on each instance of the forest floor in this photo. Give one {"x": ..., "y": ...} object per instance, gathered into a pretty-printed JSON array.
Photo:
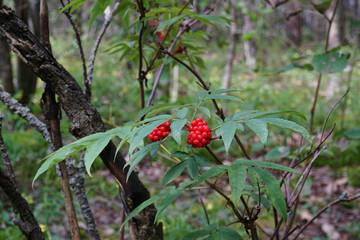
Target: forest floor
[{"x": 339, "y": 222}]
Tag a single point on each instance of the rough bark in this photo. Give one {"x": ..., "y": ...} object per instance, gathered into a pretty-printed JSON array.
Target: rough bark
[
  {"x": 6, "y": 76},
  {"x": 26, "y": 79},
  {"x": 86, "y": 120},
  {"x": 76, "y": 173},
  {"x": 5, "y": 66},
  {"x": 51, "y": 111},
  {"x": 24, "y": 112},
  {"x": 27, "y": 224}
]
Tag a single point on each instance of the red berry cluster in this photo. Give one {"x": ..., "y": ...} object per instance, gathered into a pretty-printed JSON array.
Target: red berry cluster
[
  {"x": 200, "y": 134},
  {"x": 160, "y": 132}
]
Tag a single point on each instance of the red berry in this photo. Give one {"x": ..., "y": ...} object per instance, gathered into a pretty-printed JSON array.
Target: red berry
[
  {"x": 199, "y": 134},
  {"x": 160, "y": 34},
  {"x": 160, "y": 132}
]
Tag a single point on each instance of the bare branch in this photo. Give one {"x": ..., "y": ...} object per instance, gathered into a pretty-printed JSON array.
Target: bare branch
[
  {"x": 344, "y": 198},
  {"x": 78, "y": 41},
  {"x": 5, "y": 155},
  {"x": 90, "y": 70}
]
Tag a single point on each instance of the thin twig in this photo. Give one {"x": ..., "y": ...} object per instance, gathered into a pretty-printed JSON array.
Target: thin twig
[
  {"x": 303, "y": 178},
  {"x": 90, "y": 70},
  {"x": 331, "y": 110},
  {"x": 219, "y": 111},
  {"x": 141, "y": 76},
  {"x": 204, "y": 208},
  {"x": 312, "y": 113},
  {"x": 51, "y": 113},
  {"x": 78, "y": 40},
  {"x": 182, "y": 29},
  {"x": 214, "y": 155},
  {"x": 341, "y": 199}
]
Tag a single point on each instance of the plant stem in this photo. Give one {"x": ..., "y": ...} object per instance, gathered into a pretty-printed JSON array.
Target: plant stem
[{"x": 331, "y": 20}]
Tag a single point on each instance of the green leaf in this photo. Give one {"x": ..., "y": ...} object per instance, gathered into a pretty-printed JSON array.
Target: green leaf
[
  {"x": 203, "y": 94},
  {"x": 197, "y": 234},
  {"x": 220, "y": 91},
  {"x": 210, "y": 19},
  {"x": 176, "y": 128},
  {"x": 201, "y": 160},
  {"x": 138, "y": 156},
  {"x": 237, "y": 178},
  {"x": 94, "y": 149},
  {"x": 143, "y": 205},
  {"x": 352, "y": 133},
  {"x": 98, "y": 10},
  {"x": 264, "y": 201},
  {"x": 248, "y": 36},
  {"x": 307, "y": 67},
  {"x": 181, "y": 155},
  {"x": 168, "y": 23},
  {"x": 289, "y": 125},
  {"x": 154, "y": 149},
  {"x": 144, "y": 131},
  {"x": 259, "y": 127},
  {"x": 277, "y": 153},
  {"x": 66, "y": 151},
  {"x": 265, "y": 165},
  {"x": 192, "y": 168},
  {"x": 206, "y": 111},
  {"x": 329, "y": 62},
  {"x": 242, "y": 114},
  {"x": 323, "y": 6},
  {"x": 169, "y": 198},
  {"x": 273, "y": 112},
  {"x": 174, "y": 172},
  {"x": 226, "y": 233},
  {"x": 224, "y": 97},
  {"x": 273, "y": 190},
  {"x": 181, "y": 114},
  {"x": 163, "y": 107},
  {"x": 210, "y": 173},
  {"x": 75, "y": 4},
  {"x": 160, "y": 109},
  {"x": 227, "y": 132}
]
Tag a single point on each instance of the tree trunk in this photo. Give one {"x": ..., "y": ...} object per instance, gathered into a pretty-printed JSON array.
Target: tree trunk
[
  {"x": 249, "y": 46},
  {"x": 334, "y": 35},
  {"x": 85, "y": 118},
  {"x": 35, "y": 16},
  {"x": 5, "y": 66},
  {"x": 26, "y": 79},
  {"x": 232, "y": 47},
  {"x": 27, "y": 224},
  {"x": 342, "y": 21},
  {"x": 174, "y": 85},
  {"x": 6, "y": 76},
  {"x": 293, "y": 24}
]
